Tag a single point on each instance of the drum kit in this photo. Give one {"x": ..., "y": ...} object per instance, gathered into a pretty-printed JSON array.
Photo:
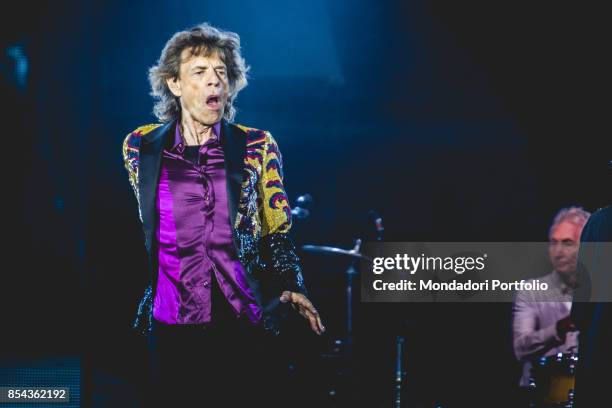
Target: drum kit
[
  {"x": 553, "y": 377},
  {"x": 338, "y": 356},
  {"x": 353, "y": 256},
  {"x": 553, "y": 380}
]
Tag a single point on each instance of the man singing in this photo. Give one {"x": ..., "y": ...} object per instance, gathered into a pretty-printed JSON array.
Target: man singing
[{"x": 216, "y": 221}]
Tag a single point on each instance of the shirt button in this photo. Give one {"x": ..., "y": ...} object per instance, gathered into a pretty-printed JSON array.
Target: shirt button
[{"x": 206, "y": 284}]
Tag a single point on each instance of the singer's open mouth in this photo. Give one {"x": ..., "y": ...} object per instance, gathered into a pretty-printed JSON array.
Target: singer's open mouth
[{"x": 213, "y": 102}]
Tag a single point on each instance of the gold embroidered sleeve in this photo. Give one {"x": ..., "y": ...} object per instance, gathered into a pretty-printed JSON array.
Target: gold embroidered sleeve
[
  {"x": 130, "y": 157},
  {"x": 275, "y": 211}
]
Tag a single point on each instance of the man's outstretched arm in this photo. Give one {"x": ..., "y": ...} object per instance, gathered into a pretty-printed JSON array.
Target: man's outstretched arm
[{"x": 277, "y": 247}]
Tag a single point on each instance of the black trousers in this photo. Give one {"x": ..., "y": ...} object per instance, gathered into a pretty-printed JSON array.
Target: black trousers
[{"x": 227, "y": 363}]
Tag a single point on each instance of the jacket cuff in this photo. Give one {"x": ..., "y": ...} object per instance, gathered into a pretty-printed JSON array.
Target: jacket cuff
[{"x": 282, "y": 262}]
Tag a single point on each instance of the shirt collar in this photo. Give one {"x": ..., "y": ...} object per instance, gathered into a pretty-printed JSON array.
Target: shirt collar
[
  {"x": 178, "y": 144},
  {"x": 560, "y": 283}
]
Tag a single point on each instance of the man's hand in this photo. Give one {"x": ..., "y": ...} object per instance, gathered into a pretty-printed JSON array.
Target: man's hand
[
  {"x": 564, "y": 326},
  {"x": 305, "y": 308}
]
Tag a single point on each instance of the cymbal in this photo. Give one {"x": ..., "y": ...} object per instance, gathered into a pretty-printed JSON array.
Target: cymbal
[{"x": 328, "y": 250}]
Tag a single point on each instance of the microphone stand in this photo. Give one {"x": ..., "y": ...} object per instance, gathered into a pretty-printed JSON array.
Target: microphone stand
[{"x": 399, "y": 340}]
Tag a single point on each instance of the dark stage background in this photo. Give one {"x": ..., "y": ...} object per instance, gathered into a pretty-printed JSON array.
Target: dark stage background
[{"x": 456, "y": 121}]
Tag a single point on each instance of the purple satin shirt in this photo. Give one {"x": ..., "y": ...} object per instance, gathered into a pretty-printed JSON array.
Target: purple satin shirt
[{"x": 195, "y": 237}]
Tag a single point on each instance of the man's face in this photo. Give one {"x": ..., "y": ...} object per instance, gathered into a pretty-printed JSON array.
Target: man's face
[
  {"x": 563, "y": 247},
  {"x": 202, "y": 87}
]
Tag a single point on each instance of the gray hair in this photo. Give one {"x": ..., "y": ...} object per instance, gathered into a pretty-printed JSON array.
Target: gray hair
[
  {"x": 203, "y": 39},
  {"x": 576, "y": 215}
]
